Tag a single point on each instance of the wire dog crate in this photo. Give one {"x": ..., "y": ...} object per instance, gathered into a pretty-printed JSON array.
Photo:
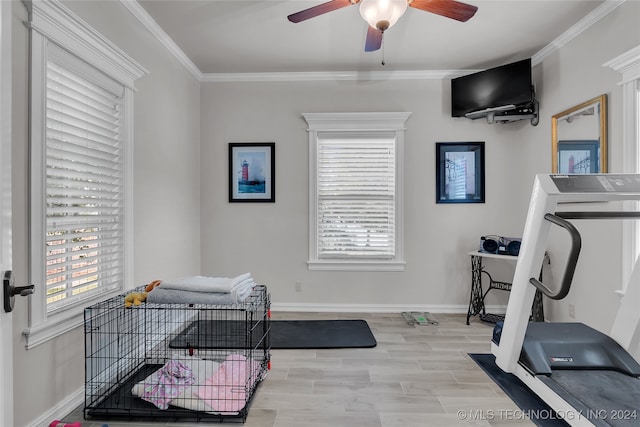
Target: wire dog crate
[{"x": 182, "y": 362}]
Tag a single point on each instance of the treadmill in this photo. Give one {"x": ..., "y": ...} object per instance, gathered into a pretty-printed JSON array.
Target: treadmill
[{"x": 587, "y": 377}]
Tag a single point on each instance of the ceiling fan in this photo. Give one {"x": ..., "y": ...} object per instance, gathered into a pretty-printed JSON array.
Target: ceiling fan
[{"x": 382, "y": 14}]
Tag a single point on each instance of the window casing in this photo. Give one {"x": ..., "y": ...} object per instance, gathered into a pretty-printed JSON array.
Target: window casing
[
  {"x": 628, "y": 64},
  {"x": 81, "y": 141},
  {"x": 356, "y": 191}
]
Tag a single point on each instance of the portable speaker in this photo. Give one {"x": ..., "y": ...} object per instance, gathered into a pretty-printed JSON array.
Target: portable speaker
[
  {"x": 487, "y": 245},
  {"x": 500, "y": 245},
  {"x": 512, "y": 245}
]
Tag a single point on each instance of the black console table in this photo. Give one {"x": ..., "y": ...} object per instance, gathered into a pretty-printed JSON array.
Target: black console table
[{"x": 476, "y": 300}]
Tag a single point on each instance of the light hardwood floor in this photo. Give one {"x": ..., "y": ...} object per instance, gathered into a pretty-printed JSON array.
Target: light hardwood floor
[{"x": 415, "y": 376}]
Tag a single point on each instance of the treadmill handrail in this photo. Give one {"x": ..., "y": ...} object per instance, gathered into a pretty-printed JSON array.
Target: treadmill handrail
[
  {"x": 599, "y": 215},
  {"x": 572, "y": 261}
]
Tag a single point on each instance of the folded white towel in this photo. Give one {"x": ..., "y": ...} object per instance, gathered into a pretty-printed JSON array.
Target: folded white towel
[
  {"x": 244, "y": 289},
  {"x": 242, "y": 284},
  {"x": 207, "y": 284}
]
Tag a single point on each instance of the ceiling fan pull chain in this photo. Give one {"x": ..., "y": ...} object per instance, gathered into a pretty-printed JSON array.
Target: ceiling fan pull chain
[{"x": 382, "y": 51}]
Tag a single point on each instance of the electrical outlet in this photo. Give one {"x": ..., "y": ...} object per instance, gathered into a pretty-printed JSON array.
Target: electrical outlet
[
  {"x": 572, "y": 311},
  {"x": 298, "y": 286}
]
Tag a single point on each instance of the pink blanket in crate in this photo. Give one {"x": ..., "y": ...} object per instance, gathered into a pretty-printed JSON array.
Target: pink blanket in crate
[{"x": 228, "y": 388}]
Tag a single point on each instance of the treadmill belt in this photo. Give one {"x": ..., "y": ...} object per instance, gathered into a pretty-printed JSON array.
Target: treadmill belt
[{"x": 605, "y": 398}]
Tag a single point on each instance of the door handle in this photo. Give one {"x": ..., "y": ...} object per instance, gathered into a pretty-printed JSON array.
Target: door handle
[{"x": 10, "y": 291}]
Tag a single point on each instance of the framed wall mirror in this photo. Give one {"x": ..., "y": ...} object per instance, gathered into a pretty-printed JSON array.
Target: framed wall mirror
[{"x": 579, "y": 138}]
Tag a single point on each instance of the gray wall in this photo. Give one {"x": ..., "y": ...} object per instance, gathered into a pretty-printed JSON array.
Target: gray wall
[
  {"x": 571, "y": 76},
  {"x": 184, "y": 224},
  {"x": 166, "y": 186},
  {"x": 271, "y": 239}
]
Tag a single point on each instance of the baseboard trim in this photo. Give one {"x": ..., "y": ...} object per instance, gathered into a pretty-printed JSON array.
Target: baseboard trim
[
  {"x": 62, "y": 409},
  {"x": 380, "y": 308}
]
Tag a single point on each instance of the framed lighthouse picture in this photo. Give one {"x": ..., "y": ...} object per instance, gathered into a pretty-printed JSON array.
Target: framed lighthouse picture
[
  {"x": 252, "y": 172},
  {"x": 578, "y": 157}
]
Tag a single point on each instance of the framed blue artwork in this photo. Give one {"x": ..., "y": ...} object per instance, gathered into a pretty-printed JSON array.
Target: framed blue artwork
[
  {"x": 460, "y": 172},
  {"x": 252, "y": 172}
]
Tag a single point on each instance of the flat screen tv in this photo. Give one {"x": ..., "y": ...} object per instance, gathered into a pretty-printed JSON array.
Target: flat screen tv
[{"x": 504, "y": 89}]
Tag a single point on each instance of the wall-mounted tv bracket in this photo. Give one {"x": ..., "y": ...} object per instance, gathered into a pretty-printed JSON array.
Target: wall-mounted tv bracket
[
  {"x": 10, "y": 291},
  {"x": 499, "y": 114},
  {"x": 533, "y": 116},
  {"x": 489, "y": 113}
]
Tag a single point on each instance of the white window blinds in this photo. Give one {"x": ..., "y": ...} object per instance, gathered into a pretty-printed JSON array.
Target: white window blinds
[
  {"x": 356, "y": 186},
  {"x": 84, "y": 183}
]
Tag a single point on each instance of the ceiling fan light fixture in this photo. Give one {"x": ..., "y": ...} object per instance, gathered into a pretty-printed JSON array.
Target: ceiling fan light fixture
[{"x": 382, "y": 14}]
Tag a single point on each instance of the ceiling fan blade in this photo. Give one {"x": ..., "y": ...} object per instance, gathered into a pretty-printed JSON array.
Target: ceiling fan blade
[
  {"x": 447, "y": 8},
  {"x": 374, "y": 39},
  {"x": 320, "y": 9}
]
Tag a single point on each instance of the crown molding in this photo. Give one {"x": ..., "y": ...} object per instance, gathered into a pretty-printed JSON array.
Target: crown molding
[
  {"x": 155, "y": 29},
  {"x": 138, "y": 11},
  {"x": 333, "y": 76},
  {"x": 596, "y": 15}
]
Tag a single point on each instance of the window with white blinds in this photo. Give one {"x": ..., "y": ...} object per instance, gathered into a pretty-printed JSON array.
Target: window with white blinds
[
  {"x": 356, "y": 191},
  {"x": 80, "y": 160},
  {"x": 356, "y": 198},
  {"x": 84, "y": 187}
]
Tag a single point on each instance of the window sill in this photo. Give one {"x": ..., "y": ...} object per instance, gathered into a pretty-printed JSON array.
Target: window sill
[
  {"x": 347, "y": 265},
  {"x": 59, "y": 323}
]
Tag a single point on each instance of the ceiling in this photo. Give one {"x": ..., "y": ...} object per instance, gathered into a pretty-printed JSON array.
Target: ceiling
[{"x": 254, "y": 36}]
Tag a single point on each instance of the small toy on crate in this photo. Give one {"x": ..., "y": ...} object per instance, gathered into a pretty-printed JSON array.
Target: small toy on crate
[
  {"x": 134, "y": 299},
  {"x": 152, "y": 285}
]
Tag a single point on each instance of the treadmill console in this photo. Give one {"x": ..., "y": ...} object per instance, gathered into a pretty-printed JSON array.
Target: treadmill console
[{"x": 607, "y": 183}]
